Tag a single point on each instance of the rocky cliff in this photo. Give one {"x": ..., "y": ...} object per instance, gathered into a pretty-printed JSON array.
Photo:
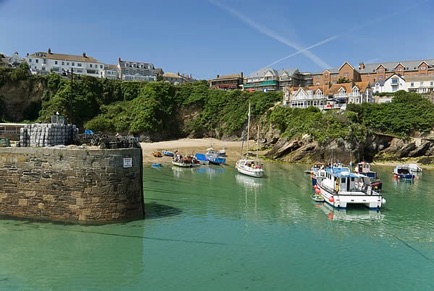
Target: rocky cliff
[
  {"x": 19, "y": 100},
  {"x": 376, "y": 147}
]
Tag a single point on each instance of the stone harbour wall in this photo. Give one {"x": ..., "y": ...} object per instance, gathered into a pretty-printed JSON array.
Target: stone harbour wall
[{"x": 73, "y": 184}]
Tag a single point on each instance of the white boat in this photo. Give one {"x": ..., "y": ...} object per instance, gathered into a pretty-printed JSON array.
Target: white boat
[
  {"x": 246, "y": 165},
  {"x": 185, "y": 162},
  {"x": 414, "y": 168},
  {"x": 342, "y": 188},
  {"x": 250, "y": 168}
]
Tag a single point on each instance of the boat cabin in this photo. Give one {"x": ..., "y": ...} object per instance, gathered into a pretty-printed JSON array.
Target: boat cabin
[{"x": 341, "y": 180}]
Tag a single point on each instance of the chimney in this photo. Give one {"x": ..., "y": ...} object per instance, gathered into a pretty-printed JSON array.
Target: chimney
[
  {"x": 361, "y": 66},
  {"x": 84, "y": 55},
  {"x": 241, "y": 75},
  {"x": 49, "y": 51},
  {"x": 119, "y": 60},
  {"x": 218, "y": 76}
]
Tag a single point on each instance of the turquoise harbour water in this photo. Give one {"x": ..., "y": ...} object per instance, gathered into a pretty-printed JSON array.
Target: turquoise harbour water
[{"x": 211, "y": 229}]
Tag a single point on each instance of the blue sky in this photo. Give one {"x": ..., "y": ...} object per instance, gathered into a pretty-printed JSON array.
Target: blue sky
[{"x": 206, "y": 38}]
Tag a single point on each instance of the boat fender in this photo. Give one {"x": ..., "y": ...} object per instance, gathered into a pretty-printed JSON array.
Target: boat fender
[
  {"x": 317, "y": 190},
  {"x": 331, "y": 199}
]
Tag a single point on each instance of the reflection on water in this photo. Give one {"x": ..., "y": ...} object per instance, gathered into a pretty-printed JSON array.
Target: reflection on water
[
  {"x": 210, "y": 170},
  {"x": 248, "y": 182},
  {"x": 349, "y": 214},
  {"x": 179, "y": 172},
  {"x": 209, "y": 228}
]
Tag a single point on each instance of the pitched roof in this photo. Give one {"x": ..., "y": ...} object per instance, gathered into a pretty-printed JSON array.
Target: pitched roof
[
  {"x": 335, "y": 88},
  {"x": 65, "y": 57},
  {"x": 362, "y": 85},
  {"x": 171, "y": 75},
  {"x": 110, "y": 67},
  {"x": 314, "y": 89},
  {"x": 264, "y": 71},
  {"x": 390, "y": 66}
]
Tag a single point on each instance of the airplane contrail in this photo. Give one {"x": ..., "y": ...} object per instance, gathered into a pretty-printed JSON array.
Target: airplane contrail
[
  {"x": 302, "y": 50},
  {"x": 266, "y": 31}
]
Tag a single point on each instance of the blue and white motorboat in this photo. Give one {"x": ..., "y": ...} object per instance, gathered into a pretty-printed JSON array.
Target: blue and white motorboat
[
  {"x": 213, "y": 157},
  {"x": 341, "y": 188},
  {"x": 403, "y": 172}
]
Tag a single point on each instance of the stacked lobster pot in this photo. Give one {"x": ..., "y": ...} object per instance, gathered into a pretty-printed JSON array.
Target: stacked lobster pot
[{"x": 48, "y": 134}]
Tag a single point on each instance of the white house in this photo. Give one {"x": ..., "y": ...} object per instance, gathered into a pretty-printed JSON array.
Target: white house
[
  {"x": 391, "y": 84},
  {"x": 136, "y": 71},
  {"x": 336, "y": 96},
  {"x": 110, "y": 72},
  {"x": 419, "y": 84},
  {"x": 46, "y": 62}
]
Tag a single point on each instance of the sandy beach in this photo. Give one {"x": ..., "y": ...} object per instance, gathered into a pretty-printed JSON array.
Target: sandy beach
[
  {"x": 190, "y": 146},
  {"x": 233, "y": 150}
]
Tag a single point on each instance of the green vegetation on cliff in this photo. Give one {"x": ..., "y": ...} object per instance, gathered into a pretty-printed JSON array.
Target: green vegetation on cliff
[{"x": 161, "y": 110}]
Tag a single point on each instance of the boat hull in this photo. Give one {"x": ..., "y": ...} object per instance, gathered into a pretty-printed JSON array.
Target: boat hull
[
  {"x": 345, "y": 199},
  {"x": 243, "y": 168},
  {"x": 184, "y": 164}
]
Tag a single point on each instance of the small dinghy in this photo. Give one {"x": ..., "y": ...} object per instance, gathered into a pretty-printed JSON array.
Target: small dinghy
[{"x": 316, "y": 197}]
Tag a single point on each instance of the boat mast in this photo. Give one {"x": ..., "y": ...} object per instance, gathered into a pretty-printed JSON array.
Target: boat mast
[
  {"x": 257, "y": 144},
  {"x": 248, "y": 131}
]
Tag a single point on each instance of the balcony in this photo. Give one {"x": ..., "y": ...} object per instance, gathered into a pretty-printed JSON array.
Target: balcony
[{"x": 268, "y": 83}]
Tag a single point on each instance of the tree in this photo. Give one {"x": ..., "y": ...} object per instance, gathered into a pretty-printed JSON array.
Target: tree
[{"x": 342, "y": 80}]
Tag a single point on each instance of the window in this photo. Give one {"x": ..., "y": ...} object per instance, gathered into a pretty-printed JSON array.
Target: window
[
  {"x": 72, "y": 64},
  {"x": 79, "y": 64},
  {"x": 90, "y": 65},
  {"x": 55, "y": 62},
  {"x": 63, "y": 63},
  {"x": 412, "y": 84},
  {"x": 67, "y": 63},
  {"x": 30, "y": 60},
  {"x": 423, "y": 68},
  {"x": 100, "y": 66},
  {"x": 37, "y": 61}
]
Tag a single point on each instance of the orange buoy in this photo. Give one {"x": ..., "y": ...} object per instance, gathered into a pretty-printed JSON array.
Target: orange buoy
[
  {"x": 317, "y": 190},
  {"x": 331, "y": 199}
]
